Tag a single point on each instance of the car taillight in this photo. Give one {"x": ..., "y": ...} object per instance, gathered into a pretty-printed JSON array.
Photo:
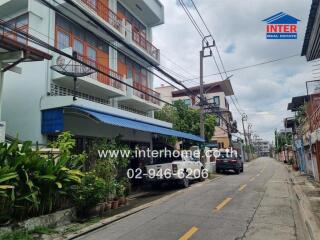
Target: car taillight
[{"x": 174, "y": 168}]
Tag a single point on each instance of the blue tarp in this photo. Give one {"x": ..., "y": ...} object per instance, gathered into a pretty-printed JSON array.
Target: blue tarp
[{"x": 142, "y": 126}]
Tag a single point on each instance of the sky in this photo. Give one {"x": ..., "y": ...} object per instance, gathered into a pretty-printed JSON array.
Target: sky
[{"x": 263, "y": 92}]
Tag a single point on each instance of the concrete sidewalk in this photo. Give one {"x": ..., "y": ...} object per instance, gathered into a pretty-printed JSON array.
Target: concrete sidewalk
[
  {"x": 276, "y": 216},
  {"x": 307, "y": 193}
]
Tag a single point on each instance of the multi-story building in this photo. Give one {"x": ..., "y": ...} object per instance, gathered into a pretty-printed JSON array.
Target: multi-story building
[
  {"x": 262, "y": 147},
  {"x": 311, "y": 51},
  {"x": 39, "y": 103},
  {"x": 216, "y": 94}
]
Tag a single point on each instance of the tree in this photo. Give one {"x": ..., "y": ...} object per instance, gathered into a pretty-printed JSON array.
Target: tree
[{"x": 186, "y": 119}]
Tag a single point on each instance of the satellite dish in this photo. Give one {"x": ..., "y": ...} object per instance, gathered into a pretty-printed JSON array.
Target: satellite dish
[{"x": 72, "y": 68}]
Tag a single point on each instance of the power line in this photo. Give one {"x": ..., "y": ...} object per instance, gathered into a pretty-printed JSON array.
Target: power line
[
  {"x": 108, "y": 42},
  {"x": 246, "y": 67},
  {"x": 193, "y": 21},
  {"x": 202, "y": 35},
  {"x": 127, "y": 45},
  {"x": 31, "y": 38},
  {"x": 224, "y": 70}
]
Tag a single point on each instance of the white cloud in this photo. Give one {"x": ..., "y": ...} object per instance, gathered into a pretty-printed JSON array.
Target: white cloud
[{"x": 264, "y": 91}]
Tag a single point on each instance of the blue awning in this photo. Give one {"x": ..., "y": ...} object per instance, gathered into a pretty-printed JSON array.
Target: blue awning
[{"x": 134, "y": 124}]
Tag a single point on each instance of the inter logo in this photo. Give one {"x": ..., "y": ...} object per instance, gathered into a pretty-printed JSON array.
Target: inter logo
[{"x": 281, "y": 26}]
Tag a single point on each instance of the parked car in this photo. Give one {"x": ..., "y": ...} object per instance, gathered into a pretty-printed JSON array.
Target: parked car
[
  {"x": 180, "y": 170},
  {"x": 227, "y": 161}
]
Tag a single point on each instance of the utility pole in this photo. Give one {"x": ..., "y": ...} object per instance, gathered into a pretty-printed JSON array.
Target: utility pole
[
  {"x": 205, "y": 45},
  {"x": 244, "y": 118},
  {"x": 249, "y": 138}
]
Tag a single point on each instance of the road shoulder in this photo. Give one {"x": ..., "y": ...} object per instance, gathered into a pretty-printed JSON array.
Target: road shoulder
[{"x": 274, "y": 216}]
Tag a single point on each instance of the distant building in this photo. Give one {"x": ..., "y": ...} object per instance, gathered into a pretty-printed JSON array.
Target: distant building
[
  {"x": 216, "y": 94},
  {"x": 262, "y": 147}
]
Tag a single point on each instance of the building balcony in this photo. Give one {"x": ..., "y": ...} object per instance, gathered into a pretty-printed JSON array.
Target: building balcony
[
  {"x": 151, "y": 12},
  {"x": 122, "y": 27},
  {"x": 102, "y": 12},
  {"x": 96, "y": 84},
  {"x": 138, "y": 99},
  {"x": 147, "y": 46},
  {"x": 11, "y": 29},
  {"x": 8, "y": 7}
]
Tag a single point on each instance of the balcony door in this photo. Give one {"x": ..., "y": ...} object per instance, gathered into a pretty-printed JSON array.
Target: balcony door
[
  {"x": 103, "y": 64},
  {"x": 92, "y": 58}
]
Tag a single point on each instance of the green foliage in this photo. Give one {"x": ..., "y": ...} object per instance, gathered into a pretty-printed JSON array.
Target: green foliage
[
  {"x": 282, "y": 139},
  {"x": 33, "y": 184},
  {"x": 186, "y": 119},
  {"x": 17, "y": 235},
  {"x": 108, "y": 167},
  {"x": 121, "y": 187},
  {"x": 43, "y": 230},
  {"x": 300, "y": 115},
  {"x": 66, "y": 143},
  {"x": 91, "y": 191}
]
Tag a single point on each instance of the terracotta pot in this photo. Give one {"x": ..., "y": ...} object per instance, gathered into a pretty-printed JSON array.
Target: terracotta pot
[
  {"x": 92, "y": 211},
  {"x": 100, "y": 208},
  {"x": 122, "y": 200},
  {"x": 107, "y": 206},
  {"x": 114, "y": 204}
]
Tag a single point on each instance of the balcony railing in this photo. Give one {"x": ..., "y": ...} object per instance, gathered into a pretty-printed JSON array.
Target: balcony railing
[
  {"x": 139, "y": 39},
  {"x": 103, "y": 78},
  {"x": 102, "y": 10},
  {"x": 11, "y": 32},
  {"x": 141, "y": 94}
]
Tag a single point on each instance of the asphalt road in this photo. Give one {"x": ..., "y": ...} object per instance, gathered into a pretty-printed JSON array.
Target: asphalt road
[{"x": 254, "y": 205}]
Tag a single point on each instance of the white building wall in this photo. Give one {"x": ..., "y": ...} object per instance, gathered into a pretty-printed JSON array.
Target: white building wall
[
  {"x": 21, "y": 101},
  {"x": 23, "y": 92}
]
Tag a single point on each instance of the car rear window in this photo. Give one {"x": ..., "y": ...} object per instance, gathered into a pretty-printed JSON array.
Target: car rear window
[{"x": 224, "y": 155}]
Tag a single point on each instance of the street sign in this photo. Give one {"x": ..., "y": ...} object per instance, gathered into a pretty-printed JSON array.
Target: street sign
[{"x": 2, "y": 132}]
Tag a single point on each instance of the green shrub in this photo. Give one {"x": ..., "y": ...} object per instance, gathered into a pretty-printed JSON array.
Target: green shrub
[
  {"x": 91, "y": 191},
  {"x": 32, "y": 184},
  {"x": 17, "y": 235}
]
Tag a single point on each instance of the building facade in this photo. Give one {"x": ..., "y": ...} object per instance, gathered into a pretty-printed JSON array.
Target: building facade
[
  {"x": 216, "y": 94},
  {"x": 113, "y": 36},
  {"x": 311, "y": 51}
]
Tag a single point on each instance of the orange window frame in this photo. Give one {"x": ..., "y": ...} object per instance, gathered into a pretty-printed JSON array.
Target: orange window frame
[{"x": 56, "y": 40}]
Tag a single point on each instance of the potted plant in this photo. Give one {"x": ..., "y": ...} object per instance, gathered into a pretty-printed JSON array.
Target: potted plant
[
  {"x": 89, "y": 196},
  {"x": 122, "y": 190},
  {"x": 115, "y": 200}
]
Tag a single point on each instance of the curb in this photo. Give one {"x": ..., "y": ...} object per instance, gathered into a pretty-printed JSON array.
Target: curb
[
  {"x": 311, "y": 223},
  {"x": 308, "y": 217},
  {"x": 107, "y": 221}
]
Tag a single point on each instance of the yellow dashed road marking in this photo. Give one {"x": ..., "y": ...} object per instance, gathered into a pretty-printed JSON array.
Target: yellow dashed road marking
[
  {"x": 222, "y": 204},
  {"x": 242, "y": 187},
  {"x": 252, "y": 179},
  {"x": 189, "y": 234}
]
